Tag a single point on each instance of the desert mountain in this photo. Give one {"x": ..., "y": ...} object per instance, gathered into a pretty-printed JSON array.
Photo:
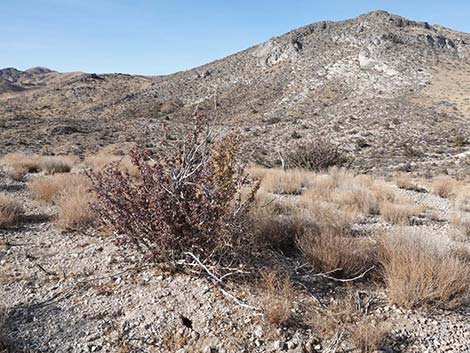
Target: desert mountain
[{"x": 391, "y": 91}]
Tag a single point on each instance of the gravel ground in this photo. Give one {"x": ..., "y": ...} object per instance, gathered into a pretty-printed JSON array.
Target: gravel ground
[{"x": 79, "y": 293}]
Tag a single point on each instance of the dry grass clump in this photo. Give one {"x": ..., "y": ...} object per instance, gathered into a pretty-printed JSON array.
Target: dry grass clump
[
  {"x": 418, "y": 270},
  {"x": 462, "y": 198},
  {"x": 368, "y": 336},
  {"x": 356, "y": 199},
  {"x": 443, "y": 186},
  {"x": 366, "y": 333},
  {"x": 461, "y": 221},
  {"x": 48, "y": 188},
  {"x": 404, "y": 181},
  {"x": 58, "y": 164},
  {"x": 398, "y": 213},
  {"x": 10, "y": 211},
  {"x": 337, "y": 254},
  {"x": 100, "y": 161},
  {"x": 17, "y": 172},
  {"x": 326, "y": 216},
  {"x": 30, "y": 162},
  {"x": 292, "y": 182},
  {"x": 277, "y": 298},
  {"x": 75, "y": 209}
]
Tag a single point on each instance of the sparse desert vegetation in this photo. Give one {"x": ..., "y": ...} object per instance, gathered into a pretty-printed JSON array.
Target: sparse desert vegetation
[
  {"x": 320, "y": 204},
  {"x": 283, "y": 216}
]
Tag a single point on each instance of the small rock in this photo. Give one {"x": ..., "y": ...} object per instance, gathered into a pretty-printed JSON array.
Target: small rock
[{"x": 258, "y": 331}]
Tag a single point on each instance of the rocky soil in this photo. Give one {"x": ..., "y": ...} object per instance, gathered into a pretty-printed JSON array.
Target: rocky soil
[{"x": 77, "y": 292}]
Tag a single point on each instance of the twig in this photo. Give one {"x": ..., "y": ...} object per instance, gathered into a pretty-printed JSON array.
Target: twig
[
  {"x": 325, "y": 275},
  {"x": 221, "y": 283}
]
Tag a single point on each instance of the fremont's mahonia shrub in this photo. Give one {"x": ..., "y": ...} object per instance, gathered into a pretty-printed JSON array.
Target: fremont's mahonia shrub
[
  {"x": 183, "y": 201},
  {"x": 317, "y": 154}
]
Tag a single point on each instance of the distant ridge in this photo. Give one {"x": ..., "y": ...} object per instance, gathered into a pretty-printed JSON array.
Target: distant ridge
[{"x": 392, "y": 91}]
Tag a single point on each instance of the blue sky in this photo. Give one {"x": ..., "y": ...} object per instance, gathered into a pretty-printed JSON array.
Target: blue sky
[{"x": 159, "y": 37}]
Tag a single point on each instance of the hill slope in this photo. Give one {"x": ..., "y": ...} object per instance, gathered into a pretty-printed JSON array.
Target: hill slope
[{"x": 390, "y": 90}]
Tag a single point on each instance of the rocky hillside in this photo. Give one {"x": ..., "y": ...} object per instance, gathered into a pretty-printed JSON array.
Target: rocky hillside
[{"x": 391, "y": 91}]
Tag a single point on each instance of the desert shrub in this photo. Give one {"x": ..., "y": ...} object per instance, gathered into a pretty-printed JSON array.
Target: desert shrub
[
  {"x": 418, "y": 270},
  {"x": 58, "y": 164},
  {"x": 181, "y": 202},
  {"x": 10, "y": 211},
  {"x": 341, "y": 255},
  {"x": 398, "y": 213},
  {"x": 277, "y": 297},
  {"x": 30, "y": 162},
  {"x": 443, "y": 185},
  {"x": 49, "y": 188},
  {"x": 75, "y": 208},
  {"x": 317, "y": 154}
]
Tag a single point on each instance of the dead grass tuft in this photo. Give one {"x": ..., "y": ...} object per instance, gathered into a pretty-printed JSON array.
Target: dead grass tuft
[
  {"x": 16, "y": 173},
  {"x": 291, "y": 182},
  {"x": 337, "y": 254},
  {"x": 419, "y": 271},
  {"x": 398, "y": 213},
  {"x": 404, "y": 181},
  {"x": 10, "y": 211},
  {"x": 277, "y": 297},
  {"x": 58, "y": 164},
  {"x": 30, "y": 162},
  {"x": 100, "y": 161},
  {"x": 369, "y": 337},
  {"x": 75, "y": 208},
  {"x": 461, "y": 222},
  {"x": 48, "y": 188},
  {"x": 443, "y": 186},
  {"x": 366, "y": 333}
]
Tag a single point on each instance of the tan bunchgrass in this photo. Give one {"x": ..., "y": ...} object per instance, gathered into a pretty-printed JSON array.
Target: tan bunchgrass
[
  {"x": 339, "y": 255},
  {"x": 443, "y": 186},
  {"x": 30, "y": 162},
  {"x": 406, "y": 182},
  {"x": 326, "y": 216},
  {"x": 100, "y": 161},
  {"x": 419, "y": 270},
  {"x": 17, "y": 172},
  {"x": 10, "y": 211},
  {"x": 277, "y": 297},
  {"x": 356, "y": 199},
  {"x": 366, "y": 333},
  {"x": 291, "y": 182},
  {"x": 462, "y": 198},
  {"x": 48, "y": 188},
  {"x": 461, "y": 221},
  {"x": 398, "y": 213},
  {"x": 58, "y": 164},
  {"x": 75, "y": 208},
  {"x": 368, "y": 336}
]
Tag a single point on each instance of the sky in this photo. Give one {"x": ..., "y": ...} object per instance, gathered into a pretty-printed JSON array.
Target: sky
[{"x": 153, "y": 37}]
